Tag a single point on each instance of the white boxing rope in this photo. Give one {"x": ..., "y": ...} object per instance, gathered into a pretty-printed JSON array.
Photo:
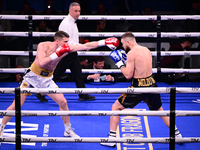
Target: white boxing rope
[
  {"x": 81, "y": 17},
  {"x": 180, "y": 17},
  {"x": 17, "y": 53},
  {"x": 178, "y": 70},
  {"x": 106, "y": 53},
  {"x": 81, "y": 34},
  {"x": 7, "y": 90},
  {"x": 178, "y": 34},
  {"x": 99, "y": 113},
  {"x": 106, "y": 34},
  {"x": 13, "y": 17},
  {"x": 93, "y": 113},
  {"x": 95, "y": 90},
  {"x": 154, "y": 70},
  {"x": 100, "y": 140},
  {"x": 99, "y": 17},
  {"x": 102, "y": 90},
  {"x": 19, "y": 34}
]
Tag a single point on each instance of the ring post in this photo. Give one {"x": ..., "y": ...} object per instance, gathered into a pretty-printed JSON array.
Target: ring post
[
  {"x": 30, "y": 36},
  {"x": 158, "y": 45},
  {"x": 172, "y": 118},
  {"x": 18, "y": 118}
]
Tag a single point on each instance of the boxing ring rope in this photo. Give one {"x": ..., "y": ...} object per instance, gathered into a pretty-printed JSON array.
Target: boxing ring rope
[
  {"x": 101, "y": 90},
  {"x": 99, "y": 113},
  {"x": 154, "y": 70},
  {"x": 100, "y": 139},
  {"x": 105, "y": 53},
  {"x": 157, "y": 35}
]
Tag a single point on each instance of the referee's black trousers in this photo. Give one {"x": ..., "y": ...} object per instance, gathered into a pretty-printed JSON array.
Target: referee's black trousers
[{"x": 72, "y": 62}]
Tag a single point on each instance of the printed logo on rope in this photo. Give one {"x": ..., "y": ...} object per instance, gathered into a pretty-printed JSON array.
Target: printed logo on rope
[
  {"x": 167, "y": 140},
  {"x": 78, "y": 91},
  {"x": 151, "y": 35},
  {"x": 52, "y": 140},
  {"x": 46, "y": 18},
  {"x": 52, "y": 114},
  {"x": 195, "y": 140},
  {"x": 170, "y": 18},
  {"x": 167, "y": 53},
  {"x": 130, "y": 140},
  {"x": 25, "y": 91},
  {"x": 26, "y": 140},
  {"x": 195, "y": 89},
  {"x": 122, "y": 18},
  {"x": 2, "y": 139},
  {"x": 84, "y": 18},
  {"x": 101, "y": 35},
  {"x": 130, "y": 90},
  {"x": 2, "y": 91},
  {"x": 103, "y": 18},
  {"x": 188, "y": 35},
  {"x": 3, "y": 113},
  {"x": 101, "y": 53},
  {"x": 104, "y": 91},
  {"x": 186, "y": 53},
  {"x": 78, "y": 140},
  {"x": 102, "y": 114},
  {"x": 104, "y": 140},
  {"x": 52, "y": 91}
]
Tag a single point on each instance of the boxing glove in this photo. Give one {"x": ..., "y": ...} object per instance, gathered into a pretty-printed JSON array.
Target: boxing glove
[
  {"x": 60, "y": 51},
  {"x": 112, "y": 43},
  {"x": 116, "y": 56},
  {"x": 124, "y": 57}
]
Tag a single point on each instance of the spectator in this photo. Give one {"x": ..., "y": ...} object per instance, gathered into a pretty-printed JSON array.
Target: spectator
[
  {"x": 99, "y": 63},
  {"x": 42, "y": 27},
  {"x": 26, "y": 9},
  {"x": 174, "y": 61},
  {"x": 101, "y": 9},
  {"x": 49, "y": 10},
  {"x": 100, "y": 26}
]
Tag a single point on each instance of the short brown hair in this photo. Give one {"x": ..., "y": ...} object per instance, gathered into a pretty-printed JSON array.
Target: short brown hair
[
  {"x": 128, "y": 35},
  {"x": 60, "y": 34}
]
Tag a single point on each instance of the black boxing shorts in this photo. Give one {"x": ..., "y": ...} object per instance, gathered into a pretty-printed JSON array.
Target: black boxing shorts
[{"x": 131, "y": 100}]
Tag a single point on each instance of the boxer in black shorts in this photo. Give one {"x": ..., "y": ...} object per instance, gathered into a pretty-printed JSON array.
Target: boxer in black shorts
[
  {"x": 136, "y": 64},
  {"x": 131, "y": 100}
]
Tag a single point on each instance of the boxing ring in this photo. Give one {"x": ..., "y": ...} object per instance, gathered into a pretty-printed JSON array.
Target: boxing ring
[{"x": 170, "y": 92}]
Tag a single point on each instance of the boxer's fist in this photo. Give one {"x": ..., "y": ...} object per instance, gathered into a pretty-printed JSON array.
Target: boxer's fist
[
  {"x": 60, "y": 51},
  {"x": 112, "y": 43},
  {"x": 116, "y": 56},
  {"x": 124, "y": 57}
]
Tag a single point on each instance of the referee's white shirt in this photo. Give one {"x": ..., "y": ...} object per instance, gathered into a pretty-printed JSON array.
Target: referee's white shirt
[{"x": 69, "y": 26}]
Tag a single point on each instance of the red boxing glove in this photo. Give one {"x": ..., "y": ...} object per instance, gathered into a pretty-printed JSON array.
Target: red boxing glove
[
  {"x": 60, "y": 51},
  {"x": 112, "y": 43}
]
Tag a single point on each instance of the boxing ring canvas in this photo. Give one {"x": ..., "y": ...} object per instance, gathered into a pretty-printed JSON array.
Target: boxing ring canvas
[{"x": 98, "y": 126}]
